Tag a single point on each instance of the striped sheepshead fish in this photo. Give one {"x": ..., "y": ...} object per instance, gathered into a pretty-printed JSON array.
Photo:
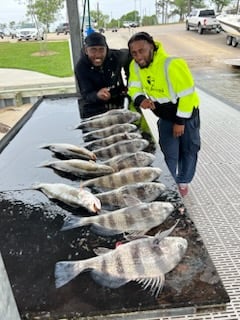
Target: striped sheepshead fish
[
  {"x": 120, "y": 147},
  {"x": 107, "y": 113},
  {"x": 108, "y": 131},
  {"x": 104, "y": 142},
  {"x": 80, "y": 168},
  {"x": 123, "y": 177},
  {"x": 141, "y": 217},
  {"x": 70, "y": 151},
  {"x": 145, "y": 261},
  {"x": 109, "y": 120},
  {"x": 121, "y": 197},
  {"x": 127, "y": 160},
  {"x": 74, "y": 197}
]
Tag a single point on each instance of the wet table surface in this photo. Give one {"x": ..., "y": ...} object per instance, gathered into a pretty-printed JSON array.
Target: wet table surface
[{"x": 31, "y": 241}]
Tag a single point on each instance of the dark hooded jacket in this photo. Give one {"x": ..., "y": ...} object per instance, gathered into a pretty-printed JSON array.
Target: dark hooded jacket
[{"x": 91, "y": 79}]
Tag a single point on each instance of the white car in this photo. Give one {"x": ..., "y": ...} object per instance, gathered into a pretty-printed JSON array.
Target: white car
[{"x": 29, "y": 32}]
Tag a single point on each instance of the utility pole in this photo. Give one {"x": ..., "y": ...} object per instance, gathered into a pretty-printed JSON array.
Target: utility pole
[
  {"x": 189, "y": 6},
  {"x": 98, "y": 14},
  {"x": 76, "y": 38}
]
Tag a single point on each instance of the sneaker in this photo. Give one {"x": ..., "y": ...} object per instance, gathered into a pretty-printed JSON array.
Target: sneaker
[{"x": 183, "y": 189}]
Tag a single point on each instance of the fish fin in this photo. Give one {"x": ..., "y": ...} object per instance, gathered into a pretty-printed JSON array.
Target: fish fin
[
  {"x": 65, "y": 271},
  {"x": 103, "y": 211},
  {"x": 134, "y": 235},
  {"x": 82, "y": 185},
  {"x": 71, "y": 222},
  {"x": 154, "y": 285},
  {"x": 107, "y": 280},
  {"x": 101, "y": 250},
  {"x": 101, "y": 231},
  {"x": 131, "y": 200},
  {"x": 161, "y": 235}
]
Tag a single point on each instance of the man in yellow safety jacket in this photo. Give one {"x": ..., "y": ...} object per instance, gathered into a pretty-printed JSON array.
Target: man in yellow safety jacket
[{"x": 165, "y": 85}]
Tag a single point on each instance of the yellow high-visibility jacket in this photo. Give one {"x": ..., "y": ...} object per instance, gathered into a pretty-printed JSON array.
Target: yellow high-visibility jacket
[{"x": 168, "y": 82}]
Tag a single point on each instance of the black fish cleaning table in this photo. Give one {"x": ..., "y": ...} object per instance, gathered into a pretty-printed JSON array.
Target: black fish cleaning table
[{"x": 31, "y": 241}]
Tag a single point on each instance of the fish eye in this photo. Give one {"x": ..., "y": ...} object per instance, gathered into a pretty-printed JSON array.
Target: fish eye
[
  {"x": 156, "y": 242},
  {"x": 180, "y": 247}
]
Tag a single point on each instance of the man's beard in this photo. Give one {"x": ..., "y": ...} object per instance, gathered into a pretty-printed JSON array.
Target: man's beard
[{"x": 149, "y": 61}]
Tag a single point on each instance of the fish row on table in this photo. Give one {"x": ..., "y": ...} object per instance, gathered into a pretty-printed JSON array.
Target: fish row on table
[
  {"x": 132, "y": 190},
  {"x": 104, "y": 142},
  {"x": 106, "y": 152},
  {"x": 119, "y": 197},
  {"x": 108, "y": 131},
  {"x": 128, "y": 149},
  {"x": 117, "y": 162},
  {"x": 111, "y": 119},
  {"x": 79, "y": 168}
]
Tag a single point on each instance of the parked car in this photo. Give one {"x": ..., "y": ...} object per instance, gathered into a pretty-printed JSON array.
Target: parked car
[
  {"x": 101, "y": 30},
  {"x": 130, "y": 24},
  {"x": 63, "y": 28},
  {"x": 9, "y": 32},
  {"x": 29, "y": 31},
  {"x": 134, "y": 24},
  {"x": 13, "y": 33}
]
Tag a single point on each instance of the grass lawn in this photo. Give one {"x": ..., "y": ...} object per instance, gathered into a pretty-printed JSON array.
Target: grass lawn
[{"x": 52, "y": 58}]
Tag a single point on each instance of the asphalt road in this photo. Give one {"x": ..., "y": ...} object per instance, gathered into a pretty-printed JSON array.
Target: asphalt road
[{"x": 208, "y": 49}]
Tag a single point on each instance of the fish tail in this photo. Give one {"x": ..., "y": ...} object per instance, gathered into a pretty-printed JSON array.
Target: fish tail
[
  {"x": 36, "y": 186},
  {"x": 71, "y": 223},
  {"x": 77, "y": 127},
  {"x": 65, "y": 271},
  {"x": 44, "y": 164},
  {"x": 44, "y": 146}
]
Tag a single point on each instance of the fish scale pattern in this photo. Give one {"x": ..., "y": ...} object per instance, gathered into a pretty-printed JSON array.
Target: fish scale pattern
[{"x": 214, "y": 199}]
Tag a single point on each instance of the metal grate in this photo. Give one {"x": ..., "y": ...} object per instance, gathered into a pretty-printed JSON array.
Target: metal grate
[{"x": 214, "y": 199}]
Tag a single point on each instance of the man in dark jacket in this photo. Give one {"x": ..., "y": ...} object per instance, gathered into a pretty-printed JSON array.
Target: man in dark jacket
[{"x": 99, "y": 76}]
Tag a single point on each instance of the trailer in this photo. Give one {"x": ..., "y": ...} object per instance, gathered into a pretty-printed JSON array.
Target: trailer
[
  {"x": 230, "y": 23},
  {"x": 232, "y": 40}
]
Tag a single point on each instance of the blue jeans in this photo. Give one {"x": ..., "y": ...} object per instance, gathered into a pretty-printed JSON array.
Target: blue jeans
[{"x": 180, "y": 153}]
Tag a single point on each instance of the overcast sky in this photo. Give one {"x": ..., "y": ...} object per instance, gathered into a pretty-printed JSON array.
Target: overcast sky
[{"x": 11, "y": 10}]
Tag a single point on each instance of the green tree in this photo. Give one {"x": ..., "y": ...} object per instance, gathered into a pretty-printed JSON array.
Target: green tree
[
  {"x": 172, "y": 8},
  {"x": 149, "y": 20},
  {"x": 12, "y": 24},
  {"x": 100, "y": 18},
  {"x": 114, "y": 23},
  {"x": 44, "y": 11},
  {"x": 180, "y": 8},
  {"x": 220, "y": 4},
  {"x": 131, "y": 16}
]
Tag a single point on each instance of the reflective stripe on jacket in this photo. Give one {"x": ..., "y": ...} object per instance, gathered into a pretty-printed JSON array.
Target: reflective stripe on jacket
[{"x": 165, "y": 80}]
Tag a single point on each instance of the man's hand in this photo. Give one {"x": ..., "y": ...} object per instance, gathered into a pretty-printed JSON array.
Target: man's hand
[
  {"x": 147, "y": 104},
  {"x": 178, "y": 130},
  {"x": 104, "y": 94}
]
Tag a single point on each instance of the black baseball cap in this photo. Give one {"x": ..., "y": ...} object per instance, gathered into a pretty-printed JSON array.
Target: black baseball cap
[{"x": 95, "y": 39}]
